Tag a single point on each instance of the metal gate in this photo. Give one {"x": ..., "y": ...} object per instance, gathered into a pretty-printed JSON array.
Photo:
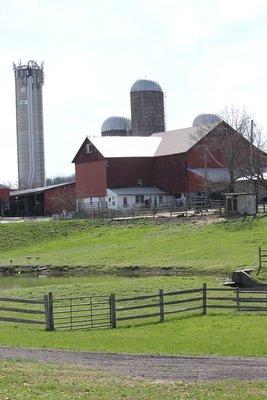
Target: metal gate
[{"x": 81, "y": 313}]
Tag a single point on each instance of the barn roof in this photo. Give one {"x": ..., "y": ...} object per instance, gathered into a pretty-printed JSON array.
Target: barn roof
[
  {"x": 38, "y": 190},
  {"x": 178, "y": 141},
  {"x": 137, "y": 191},
  {"x": 213, "y": 174},
  {"x": 128, "y": 146},
  {"x": 159, "y": 144},
  {"x": 4, "y": 187}
]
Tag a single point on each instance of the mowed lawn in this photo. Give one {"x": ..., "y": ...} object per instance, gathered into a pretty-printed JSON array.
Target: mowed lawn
[
  {"x": 32, "y": 381},
  {"x": 222, "y": 334},
  {"x": 227, "y": 334},
  {"x": 134, "y": 245}
]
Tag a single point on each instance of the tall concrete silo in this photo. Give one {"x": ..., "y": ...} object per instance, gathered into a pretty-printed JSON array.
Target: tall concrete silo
[
  {"x": 147, "y": 108},
  {"x": 29, "y": 80},
  {"x": 116, "y": 126}
]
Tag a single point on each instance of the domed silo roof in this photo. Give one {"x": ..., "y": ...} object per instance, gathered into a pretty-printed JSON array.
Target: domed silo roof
[
  {"x": 206, "y": 119},
  {"x": 116, "y": 124},
  {"x": 144, "y": 85}
]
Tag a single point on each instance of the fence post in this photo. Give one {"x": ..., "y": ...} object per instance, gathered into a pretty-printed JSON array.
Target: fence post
[
  {"x": 259, "y": 261},
  {"x": 113, "y": 311},
  {"x": 51, "y": 311},
  {"x": 237, "y": 299},
  {"x": 204, "y": 303},
  {"x": 161, "y": 306},
  {"x": 46, "y": 309}
]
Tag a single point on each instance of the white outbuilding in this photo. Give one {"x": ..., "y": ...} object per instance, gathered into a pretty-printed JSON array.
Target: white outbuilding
[{"x": 241, "y": 203}]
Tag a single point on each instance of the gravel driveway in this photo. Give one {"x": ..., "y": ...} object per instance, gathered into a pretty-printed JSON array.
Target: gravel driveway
[{"x": 170, "y": 368}]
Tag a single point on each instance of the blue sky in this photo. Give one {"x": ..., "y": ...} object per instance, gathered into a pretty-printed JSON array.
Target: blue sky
[{"x": 205, "y": 55}]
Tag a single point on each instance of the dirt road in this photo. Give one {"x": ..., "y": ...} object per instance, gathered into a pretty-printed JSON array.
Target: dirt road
[{"x": 170, "y": 368}]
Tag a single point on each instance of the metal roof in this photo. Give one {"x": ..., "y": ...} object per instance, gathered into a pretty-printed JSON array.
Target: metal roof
[
  {"x": 115, "y": 123},
  {"x": 145, "y": 85},
  {"x": 126, "y": 146},
  {"x": 213, "y": 174},
  {"x": 245, "y": 178},
  {"x": 4, "y": 187},
  {"x": 137, "y": 191},
  {"x": 158, "y": 144},
  {"x": 177, "y": 141},
  {"x": 38, "y": 190}
]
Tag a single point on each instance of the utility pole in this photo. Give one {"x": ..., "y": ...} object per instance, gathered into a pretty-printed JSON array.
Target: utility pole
[
  {"x": 206, "y": 177},
  {"x": 251, "y": 153}
]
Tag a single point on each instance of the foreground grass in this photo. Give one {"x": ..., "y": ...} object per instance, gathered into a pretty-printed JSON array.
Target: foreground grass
[
  {"x": 134, "y": 246},
  {"x": 236, "y": 335},
  {"x": 32, "y": 381}
]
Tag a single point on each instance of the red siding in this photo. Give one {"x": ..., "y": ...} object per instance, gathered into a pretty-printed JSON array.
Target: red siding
[
  {"x": 60, "y": 198},
  {"x": 82, "y": 156},
  {"x": 4, "y": 194},
  {"x": 125, "y": 172},
  {"x": 216, "y": 148},
  {"x": 91, "y": 179},
  {"x": 195, "y": 182},
  {"x": 170, "y": 173}
]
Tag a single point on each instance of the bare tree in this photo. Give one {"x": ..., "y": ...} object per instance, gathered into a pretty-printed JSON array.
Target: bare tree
[
  {"x": 234, "y": 146},
  {"x": 254, "y": 159},
  {"x": 63, "y": 200}
]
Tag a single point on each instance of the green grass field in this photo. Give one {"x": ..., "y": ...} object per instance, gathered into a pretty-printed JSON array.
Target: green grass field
[
  {"x": 32, "y": 381},
  {"x": 133, "y": 246},
  {"x": 36, "y": 381},
  {"x": 222, "y": 334},
  {"x": 237, "y": 335}
]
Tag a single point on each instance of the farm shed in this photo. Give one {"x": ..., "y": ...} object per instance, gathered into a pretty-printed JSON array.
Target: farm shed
[
  {"x": 242, "y": 203},
  {"x": 46, "y": 200}
]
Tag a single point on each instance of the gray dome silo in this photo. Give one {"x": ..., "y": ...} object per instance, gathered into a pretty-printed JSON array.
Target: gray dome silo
[
  {"x": 29, "y": 80},
  {"x": 206, "y": 119},
  {"x": 116, "y": 126},
  {"x": 147, "y": 108}
]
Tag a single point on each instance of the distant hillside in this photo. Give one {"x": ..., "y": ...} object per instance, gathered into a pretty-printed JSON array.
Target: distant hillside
[{"x": 133, "y": 246}]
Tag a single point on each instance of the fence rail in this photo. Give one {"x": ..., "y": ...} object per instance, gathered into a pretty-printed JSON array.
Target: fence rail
[
  {"x": 95, "y": 312},
  {"x": 20, "y": 313}
]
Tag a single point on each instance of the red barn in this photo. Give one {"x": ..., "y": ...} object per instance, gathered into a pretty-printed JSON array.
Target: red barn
[
  {"x": 4, "y": 197},
  {"x": 178, "y": 163},
  {"x": 47, "y": 200}
]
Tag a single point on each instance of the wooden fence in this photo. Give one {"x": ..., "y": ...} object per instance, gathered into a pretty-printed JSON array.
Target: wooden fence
[
  {"x": 26, "y": 311},
  {"x": 262, "y": 258},
  {"x": 98, "y": 312}
]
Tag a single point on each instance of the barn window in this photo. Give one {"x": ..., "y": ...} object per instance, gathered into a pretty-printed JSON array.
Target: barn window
[
  {"x": 125, "y": 202},
  {"x": 160, "y": 198},
  {"x": 88, "y": 148}
]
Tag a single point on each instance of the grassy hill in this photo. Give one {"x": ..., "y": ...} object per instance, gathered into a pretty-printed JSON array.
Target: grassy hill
[{"x": 148, "y": 246}]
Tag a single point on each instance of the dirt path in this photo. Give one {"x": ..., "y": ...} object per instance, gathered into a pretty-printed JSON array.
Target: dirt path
[{"x": 171, "y": 368}]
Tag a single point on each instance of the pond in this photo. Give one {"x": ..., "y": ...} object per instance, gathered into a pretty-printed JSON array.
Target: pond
[{"x": 26, "y": 281}]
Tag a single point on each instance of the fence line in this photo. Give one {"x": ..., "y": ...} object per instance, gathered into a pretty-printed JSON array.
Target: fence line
[
  {"x": 94, "y": 312},
  {"x": 19, "y": 312}
]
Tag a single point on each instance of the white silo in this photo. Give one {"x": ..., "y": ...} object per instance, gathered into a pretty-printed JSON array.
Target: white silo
[
  {"x": 116, "y": 126},
  {"x": 29, "y": 80}
]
